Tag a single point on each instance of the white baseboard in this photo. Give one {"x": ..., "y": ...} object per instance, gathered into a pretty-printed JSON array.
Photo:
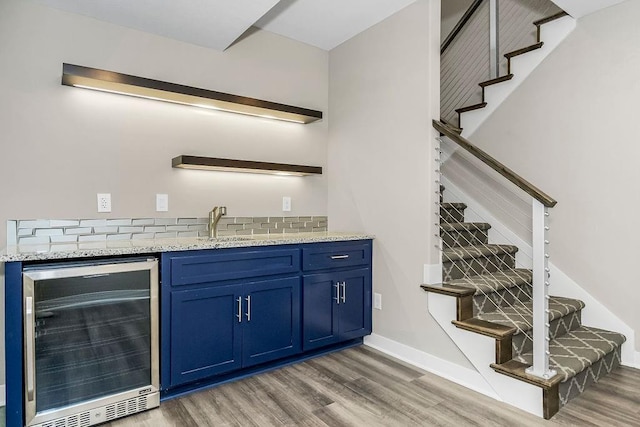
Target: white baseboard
[
  {"x": 637, "y": 361},
  {"x": 3, "y": 396},
  {"x": 466, "y": 377}
]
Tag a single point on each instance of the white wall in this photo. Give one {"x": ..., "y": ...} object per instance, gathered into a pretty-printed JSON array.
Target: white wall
[
  {"x": 60, "y": 145},
  {"x": 384, "y": 91},
  {"x": 572, "y": 129}
]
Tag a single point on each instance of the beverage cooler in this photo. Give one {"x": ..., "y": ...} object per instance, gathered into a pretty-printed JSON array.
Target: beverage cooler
[{"x": 90, "y": 341}]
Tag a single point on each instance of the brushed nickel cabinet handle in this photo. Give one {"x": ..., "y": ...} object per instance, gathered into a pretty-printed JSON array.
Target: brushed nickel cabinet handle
[
  {"x": 239, "y": 315},
  {"x": 344, "y": 291},
  {"x": 248, "y": 308},
  {"x": 337, "y": 297},
  {"x": 339, "y": 256}
]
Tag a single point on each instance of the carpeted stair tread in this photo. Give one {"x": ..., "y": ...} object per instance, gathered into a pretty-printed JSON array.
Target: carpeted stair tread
[
  {"x": 577, "y": 350},
  {"x": 453, "y": 205},
  {"x": 494, "y": 282},
  {"x": 476, "y": 251},
  {"x": 520, "y": 315},
  {"x": 465, "y": 226}
]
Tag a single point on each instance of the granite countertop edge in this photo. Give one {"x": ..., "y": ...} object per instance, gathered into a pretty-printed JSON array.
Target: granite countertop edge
[{"x": 133, "y": 247}]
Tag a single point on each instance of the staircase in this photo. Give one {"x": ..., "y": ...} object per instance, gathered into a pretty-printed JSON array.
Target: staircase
[{"x": 493, "y": 298}]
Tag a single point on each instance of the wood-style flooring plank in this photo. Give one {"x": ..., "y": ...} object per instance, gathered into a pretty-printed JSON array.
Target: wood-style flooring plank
[{"x": 363, "y": 387}]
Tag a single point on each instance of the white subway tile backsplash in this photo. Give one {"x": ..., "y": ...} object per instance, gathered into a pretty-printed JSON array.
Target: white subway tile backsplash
[
  {"x": 130, "y": 229},
  {"x": 125, "y": 236},
  {"x": 118, "y": 222},
  {"x": 112, "y": 229},
  {"x": 12, "y": 233},
  {"x": 187, "y": 221},
  {"x": 82, "y": 230},
  {"x": 177, "y": 228},
  {"x": 88, "y": 232},
  {"x": 169, "y": 235},
  {"x": 93, "y": 238},
  {"x": 142, "y": 236},
  {"x": 33, "y": 240},
  {"x": 187, "y": 234},
  {"x": 49, "y": 232},
  {"x": 142, "y": 221},
  {"x": 63, "y": 239},
  {"x": 34, "y": 223},
  {"x": 93, "y": 223},
  {"x": 166, "y": 221},
  {"x": 64, "y": 223}
]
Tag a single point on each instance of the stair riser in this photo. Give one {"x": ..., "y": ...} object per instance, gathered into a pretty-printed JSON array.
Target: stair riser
[
  {"x": 452, "y": 238},
  {"x": 488, "y": 303},
  {"x": 474, "y": 266},
  {"x": 558, "y": 327},
  {"x": 451, "y": 215},
  {"x": 574, "y": 386}
]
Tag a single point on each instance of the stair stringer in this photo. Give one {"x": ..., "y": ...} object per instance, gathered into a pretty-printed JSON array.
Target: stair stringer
[
  {"x": 552, "y": 34},
  {"x": 595, "y": 313},
  {"x": 480, "y": 350}
]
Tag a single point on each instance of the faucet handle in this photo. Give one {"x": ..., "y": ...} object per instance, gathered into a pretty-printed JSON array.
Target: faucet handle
[{"x": 223, "y": 210}]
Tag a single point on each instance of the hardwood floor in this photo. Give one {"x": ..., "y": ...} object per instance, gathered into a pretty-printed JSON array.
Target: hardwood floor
[{"x": 363, "y": 387}]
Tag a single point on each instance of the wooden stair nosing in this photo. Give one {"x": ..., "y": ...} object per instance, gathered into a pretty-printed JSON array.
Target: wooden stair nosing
[
  {"x": 517, "y": 370},
  {"x": 524, "y": 50},
  {"x": 471, "y": 107},
  {"x": 452, "y": 291},
  {"x": 483, "y": 327},
  {"x": 550, "y": 18},
  {"x": 497, "y": 80}
]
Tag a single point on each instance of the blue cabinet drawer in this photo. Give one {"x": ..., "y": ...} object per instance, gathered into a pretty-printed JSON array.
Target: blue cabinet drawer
[
  {"x": 321, "y": 256},
  {"x": 232, "y": 264}
]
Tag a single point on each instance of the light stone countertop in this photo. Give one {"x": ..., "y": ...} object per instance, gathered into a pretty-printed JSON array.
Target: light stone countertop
[{"x": 146, "y": 246}]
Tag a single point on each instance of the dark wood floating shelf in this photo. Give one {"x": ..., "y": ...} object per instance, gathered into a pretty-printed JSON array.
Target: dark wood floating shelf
[
  {"x": 124, "y": 84},
  {"x": 230, "y": 165}
]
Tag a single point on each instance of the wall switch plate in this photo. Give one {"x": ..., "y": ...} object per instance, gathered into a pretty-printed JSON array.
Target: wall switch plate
[
  {"x": 162, "y": 202},
  {"x": 377, "y": 301},
  {"x": 286, "y": 204},
  {"x": 104, "y": 202}
]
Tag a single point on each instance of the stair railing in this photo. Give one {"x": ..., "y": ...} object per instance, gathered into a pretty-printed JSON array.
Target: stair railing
[
  {"x": 474, "y": 50},
  {"x": 541, "y": 203}
]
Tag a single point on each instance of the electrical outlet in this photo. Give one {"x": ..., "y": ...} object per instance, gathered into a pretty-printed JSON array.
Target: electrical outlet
[
  {"x": 104, "y": 202},
  {"x": 286, "y": 204},
  {"x": 377, "y": 301},
  {"x": 162, "y": 202}
]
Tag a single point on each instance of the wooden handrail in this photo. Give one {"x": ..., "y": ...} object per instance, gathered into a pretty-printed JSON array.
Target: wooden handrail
[
  {"x": 485, "y": 158},
  {"x": 460, "y": 25}
]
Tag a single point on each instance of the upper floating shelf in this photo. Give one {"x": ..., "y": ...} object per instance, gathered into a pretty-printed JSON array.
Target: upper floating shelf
[{"x": 124, "y": 84}]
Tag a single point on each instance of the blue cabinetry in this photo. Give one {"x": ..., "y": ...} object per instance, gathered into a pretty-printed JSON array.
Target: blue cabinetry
[
  {"x": 337, "y": 301},
  {"x": 227, "y": 313},
  {"x": 218, "y": 329},
  {"x": 229, "y": 309}
]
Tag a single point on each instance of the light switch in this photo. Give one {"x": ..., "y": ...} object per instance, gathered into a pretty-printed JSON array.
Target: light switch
[{"x": 162, "y": 202}]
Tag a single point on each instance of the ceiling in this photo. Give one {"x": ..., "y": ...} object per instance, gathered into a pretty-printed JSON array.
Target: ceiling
[{"x": 217, "y": 24}]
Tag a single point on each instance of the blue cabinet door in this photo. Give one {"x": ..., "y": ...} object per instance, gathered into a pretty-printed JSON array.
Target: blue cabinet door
[
  {"x": 206, "y": 335},
  {"x": 271, "y": 324},
  {"x": 336, "y": 307},
  {"x": 320, "y": 296},
  {"x": 355, "y": 303}
]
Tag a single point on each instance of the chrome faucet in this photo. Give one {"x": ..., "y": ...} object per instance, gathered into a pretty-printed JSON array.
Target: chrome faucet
[{"x": 214, "y": 216}]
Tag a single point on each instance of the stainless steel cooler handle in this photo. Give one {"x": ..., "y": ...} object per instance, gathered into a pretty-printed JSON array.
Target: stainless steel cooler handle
[{"x": 29, "y": 326}]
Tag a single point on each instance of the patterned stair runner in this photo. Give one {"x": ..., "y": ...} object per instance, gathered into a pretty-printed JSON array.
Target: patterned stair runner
[{"x": 502, "y": 296}]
